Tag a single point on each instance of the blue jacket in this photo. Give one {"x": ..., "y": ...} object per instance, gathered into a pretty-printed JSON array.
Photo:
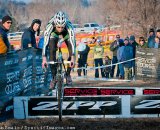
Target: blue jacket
[
  {"x": 151, "y": 41},
  {"x": 127, "y": 55},
  {"x": 119, "y": 53},
  {"x": 3, "y": 33},
  {"x": 28, "y": 37}
]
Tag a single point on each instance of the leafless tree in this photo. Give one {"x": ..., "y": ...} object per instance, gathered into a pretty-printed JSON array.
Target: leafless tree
[{"x": 134, "y": 16}]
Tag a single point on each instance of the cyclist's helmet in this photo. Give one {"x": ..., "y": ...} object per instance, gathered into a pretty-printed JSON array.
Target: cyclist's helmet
[{"x": 60, "y": 19}]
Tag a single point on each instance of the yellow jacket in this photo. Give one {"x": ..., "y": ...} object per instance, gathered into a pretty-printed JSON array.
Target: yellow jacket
[
  {"x": 3, "y": 47},
  {"x": 98, "y": 52}
]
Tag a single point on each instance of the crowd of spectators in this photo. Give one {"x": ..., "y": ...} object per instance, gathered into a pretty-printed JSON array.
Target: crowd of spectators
[{"x": 123, "y": 49}]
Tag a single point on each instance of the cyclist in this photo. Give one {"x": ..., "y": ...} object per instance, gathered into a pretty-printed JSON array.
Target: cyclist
[{"x": 59, "y": 29}]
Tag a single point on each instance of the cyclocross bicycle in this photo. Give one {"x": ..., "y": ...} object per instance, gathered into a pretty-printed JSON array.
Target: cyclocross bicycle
[{"x": 59, "y": 80}]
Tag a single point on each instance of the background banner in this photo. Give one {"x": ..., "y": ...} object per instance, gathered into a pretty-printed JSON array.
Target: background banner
[{"x": 21, "y": 74}]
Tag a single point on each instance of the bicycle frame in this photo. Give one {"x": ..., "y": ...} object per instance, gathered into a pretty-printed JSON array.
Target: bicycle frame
[
  {"x": 59, "y": 79},
  {"x": 60, "y": 82}
]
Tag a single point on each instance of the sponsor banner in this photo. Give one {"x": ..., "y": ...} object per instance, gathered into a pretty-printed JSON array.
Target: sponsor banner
[
  {"x": 48, "y": 106},
  {"x": 9, "y": 77},
  {"x": 145, "y": 104},
  {"x": 9, "y": 74},
  {"x": 16, "y": 75},
  {"x": 21, "y": 74},
  {"x": 26, "y": 58},
  {"x": 151, "y": 91},
  {"x": 97, "y": 91},
  {"x": 40, "y": 77},
  {"x": 147, "y": 64}
]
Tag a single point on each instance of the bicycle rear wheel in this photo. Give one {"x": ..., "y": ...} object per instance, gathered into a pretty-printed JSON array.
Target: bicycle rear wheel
[{"x": 60, "y": 96}]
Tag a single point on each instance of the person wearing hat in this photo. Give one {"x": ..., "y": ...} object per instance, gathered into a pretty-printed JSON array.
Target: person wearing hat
[
  {"x": 83, "y": 50},
  {"x": 4, "y": 28},
  {"x": 98, "y": 52},
  {"x": 114, "y": 47},
  {"x": 134, "y": 45},
  {"x": 127, "y": 55},
  {"x": 151, "y": 38},
  {"x": 28, "y": 37}
]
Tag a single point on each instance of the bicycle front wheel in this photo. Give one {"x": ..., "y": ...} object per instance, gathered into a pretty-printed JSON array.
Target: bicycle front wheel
[{"x": 60, "y": 96}]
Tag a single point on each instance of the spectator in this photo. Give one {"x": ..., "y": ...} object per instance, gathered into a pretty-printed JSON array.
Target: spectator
[
  {"x": 114, "y": 47},
  {"x": 83, "y": 50},
  {"x": 127, "y": 55},
  {"x": 158, "y": 33},
  {"x": 157, "y": 42},
  {"x": 134, "y": 44},
  {"x": 108, "y": 69},
  {"x": 151, "y": 38},
  {"x": 41, "y": 42},
  {"x": 4, "y": 28},
  {"x": 120, "y": 59},
  {"x": 98, "y": 57},
  {"x": 142, "y": 43},
  {"x": 28, "y": 37}
]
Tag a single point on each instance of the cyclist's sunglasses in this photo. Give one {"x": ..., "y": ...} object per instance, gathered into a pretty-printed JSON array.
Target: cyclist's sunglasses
[{"x": 60, "y": 27}]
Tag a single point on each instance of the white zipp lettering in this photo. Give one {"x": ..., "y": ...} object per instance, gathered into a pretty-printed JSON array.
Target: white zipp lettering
[
  {"x": 49, "y": 105},
  {"x": 74, "y": 105},
  {"x": 46, "y": 106},
  {"x": 109, "y": 103},
  {"x": 103, "y": 104},
  {"x": 78, "y": 104},
  {"x": 146, "y": 104}
]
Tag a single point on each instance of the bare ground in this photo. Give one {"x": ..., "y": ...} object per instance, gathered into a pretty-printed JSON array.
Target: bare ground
[{"x": 85, "y": 124}]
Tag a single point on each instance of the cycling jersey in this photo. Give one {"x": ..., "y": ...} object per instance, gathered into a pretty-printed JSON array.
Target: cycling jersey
[{"x": 67, "y": 33}]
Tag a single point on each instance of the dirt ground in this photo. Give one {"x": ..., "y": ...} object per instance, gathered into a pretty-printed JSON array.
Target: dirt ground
[
  {"x": 82, "y": 82},
  {"x": 83, "y": 124}
]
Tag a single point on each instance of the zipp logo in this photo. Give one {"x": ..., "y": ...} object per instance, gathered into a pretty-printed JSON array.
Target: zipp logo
[
  {"x": 74, "y": 105},
  {"x": 147, "y": 104}
]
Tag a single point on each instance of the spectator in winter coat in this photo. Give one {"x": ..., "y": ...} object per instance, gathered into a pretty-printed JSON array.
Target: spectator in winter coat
[
  {"x": 83, "y": 50},
  {"x": 98, "y": 52},
  {"x": 114, "y": 47},
  {"x": 158, "y": 33},
  {"x": 28, "y": 37},
  {"x": 157, "y": 42},
  {"x": 151, "y": 38},
  {"x": 142, "y": 43},
  {"x": 120, "y": 59},
  {"x": 4, "y": 28},
  {"x": 127, "y": 55},
  {"x": 134, "y": 45}
]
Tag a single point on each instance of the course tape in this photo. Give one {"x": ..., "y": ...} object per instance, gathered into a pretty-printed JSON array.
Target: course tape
[{"x": 104, "y": 66}]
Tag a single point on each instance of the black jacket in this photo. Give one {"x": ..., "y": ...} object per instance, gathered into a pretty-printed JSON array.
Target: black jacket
[
  {"x": 84, "y": 54},
  {"x": 3, "y": 33},
  {"x": 28, "y": 37}
]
